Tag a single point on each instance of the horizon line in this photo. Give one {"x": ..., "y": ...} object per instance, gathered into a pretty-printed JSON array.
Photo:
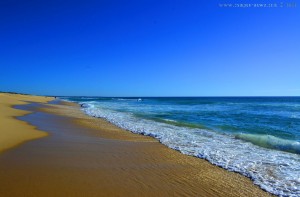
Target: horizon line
[{"x": 11, "y": 92}]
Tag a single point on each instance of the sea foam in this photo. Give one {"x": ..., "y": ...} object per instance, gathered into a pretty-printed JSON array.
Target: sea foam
[{"x": 274, "y": 171}]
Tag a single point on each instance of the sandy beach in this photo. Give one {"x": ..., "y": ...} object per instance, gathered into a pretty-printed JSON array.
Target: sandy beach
[
  {"x": 86, "y": 156},
  {"x": 13, "y": 131}
]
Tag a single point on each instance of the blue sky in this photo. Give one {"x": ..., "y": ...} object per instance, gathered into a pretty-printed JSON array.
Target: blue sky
[{"x": 149, "y": 48}]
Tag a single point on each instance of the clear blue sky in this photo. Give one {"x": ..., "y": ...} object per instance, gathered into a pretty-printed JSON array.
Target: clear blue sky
[{"x": 148, "y": 48}]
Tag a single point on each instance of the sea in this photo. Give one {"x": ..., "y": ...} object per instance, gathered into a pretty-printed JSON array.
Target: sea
[{"x": 258, "y": 137}]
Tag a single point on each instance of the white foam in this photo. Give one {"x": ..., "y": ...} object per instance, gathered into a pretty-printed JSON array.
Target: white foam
[
  {"x": 274, "y": 171},
  {"x": 169, "y": 120}
]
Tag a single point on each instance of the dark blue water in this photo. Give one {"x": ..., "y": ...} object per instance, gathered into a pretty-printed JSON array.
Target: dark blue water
[{"x": 222, "y": 130}]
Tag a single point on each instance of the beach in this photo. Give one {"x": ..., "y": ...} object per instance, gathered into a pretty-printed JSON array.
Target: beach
[
  {"x": 79, "y": 155},
  {"x": 14, "y": 132}
]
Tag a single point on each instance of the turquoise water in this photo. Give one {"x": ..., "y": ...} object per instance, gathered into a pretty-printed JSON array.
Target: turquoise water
[{"x": 250, "y": 135}]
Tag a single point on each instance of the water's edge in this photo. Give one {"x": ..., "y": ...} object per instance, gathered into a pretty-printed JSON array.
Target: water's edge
[{"x": 251, "y": 168}]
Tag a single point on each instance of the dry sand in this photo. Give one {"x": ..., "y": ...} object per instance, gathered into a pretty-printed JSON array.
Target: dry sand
[
  {"x": 85, "y": 156},
  {"x": 12, "y": 131}
]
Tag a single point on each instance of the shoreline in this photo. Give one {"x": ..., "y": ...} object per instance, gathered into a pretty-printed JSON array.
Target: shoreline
[
  {"x": 15, "y": 132},
  {"x": 99, "y": 158}
]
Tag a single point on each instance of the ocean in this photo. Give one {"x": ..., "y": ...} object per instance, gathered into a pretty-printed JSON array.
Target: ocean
[{"x": 258, "y": 137}]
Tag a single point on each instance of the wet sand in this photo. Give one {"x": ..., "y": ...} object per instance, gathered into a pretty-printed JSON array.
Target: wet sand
[
  {"x": 85, "y": 156},
  {"x": 14, "y": 132}
]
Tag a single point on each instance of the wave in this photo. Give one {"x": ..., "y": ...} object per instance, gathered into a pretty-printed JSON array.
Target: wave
[
  {"x": 269, "y": 141},
  {"x": 169, "y": 120},
  {"x": 274, "y": 171},
  {"x": 87, "y": 98},
  {"x": 126, "y": 99}
]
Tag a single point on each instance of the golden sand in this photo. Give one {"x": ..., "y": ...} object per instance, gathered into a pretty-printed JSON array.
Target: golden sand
[{"x": 12, "y": 131}]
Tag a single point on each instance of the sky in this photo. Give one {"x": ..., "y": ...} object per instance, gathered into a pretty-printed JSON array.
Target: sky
[{"x": 149, "y": 48}]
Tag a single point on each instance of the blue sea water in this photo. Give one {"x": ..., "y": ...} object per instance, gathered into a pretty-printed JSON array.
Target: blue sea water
[{"x": 258, "y": 137}]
